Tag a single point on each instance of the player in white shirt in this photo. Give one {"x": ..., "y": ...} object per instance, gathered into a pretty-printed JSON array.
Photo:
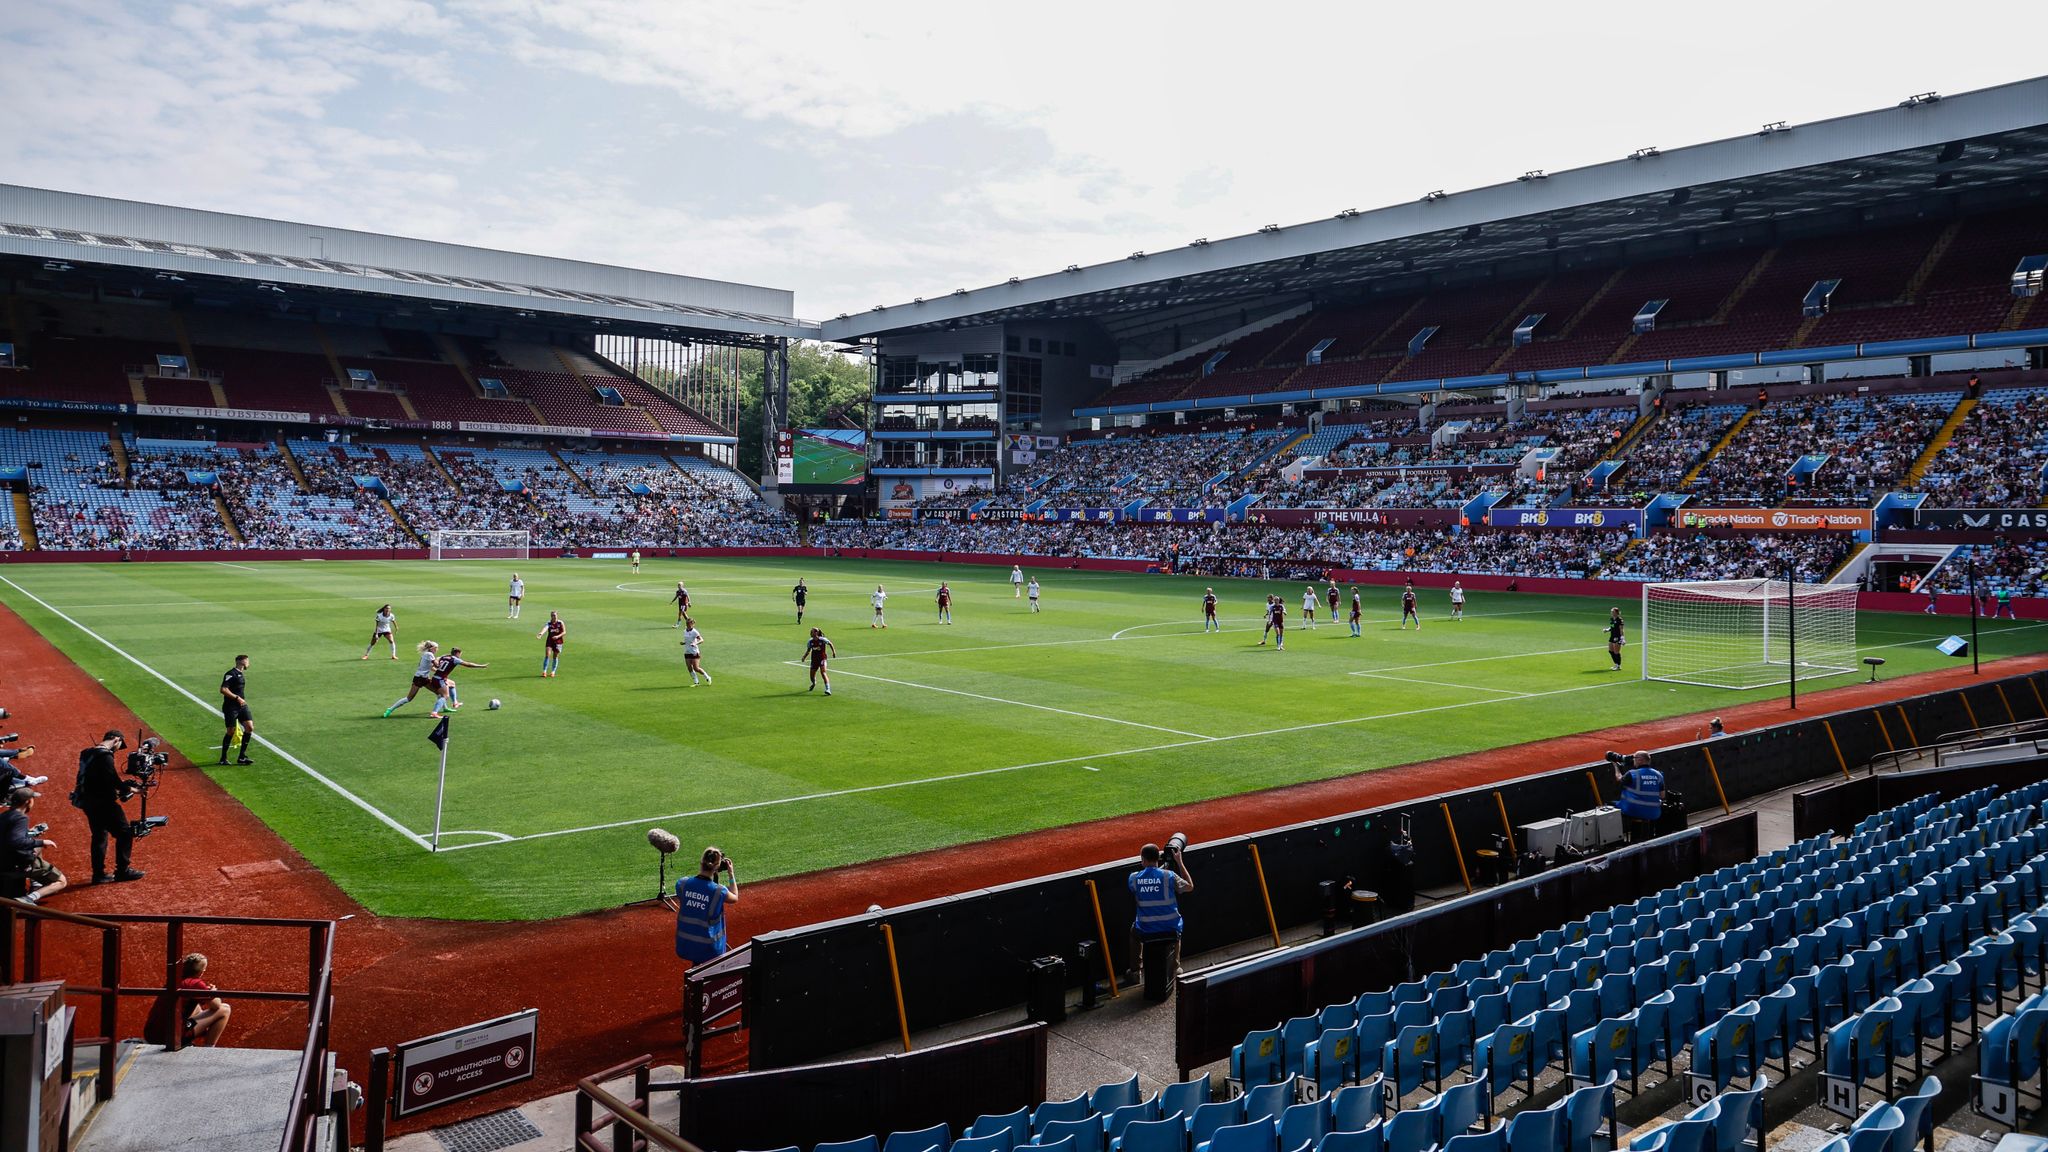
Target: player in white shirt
[
  {"x": 422, "y": 676},
  {"x": 879, "y": 599},
  {"x": 1457, "y": 601},
  {"x": 636, "y": 560},
  {"x": 387, "y": 631},
  {"x": 1016, "y": 582},
  {"x": 1031, "y": 590},
  {"x": 1308, "y": 606},
  {"x": 514, "y": 593},
  {"x": 693, "y": 652}
]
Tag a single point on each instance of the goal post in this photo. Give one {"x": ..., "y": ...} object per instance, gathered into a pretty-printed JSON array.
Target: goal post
[
  {"x": 1747, "y": 633},
  {"x": 468, "y": 544}
]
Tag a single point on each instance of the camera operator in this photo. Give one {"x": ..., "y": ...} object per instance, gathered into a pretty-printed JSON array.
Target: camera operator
[
  {"x": 100, "y": 793},
  {"x": 1157, "y": 889},
  {"x": 21, "y": 846},
  {"x": 700, "y": 908},
  {"x": 1642, "y": 794}
]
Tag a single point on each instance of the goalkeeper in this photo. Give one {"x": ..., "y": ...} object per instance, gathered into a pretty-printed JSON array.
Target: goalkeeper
[{"x": 1615, "y": 639}]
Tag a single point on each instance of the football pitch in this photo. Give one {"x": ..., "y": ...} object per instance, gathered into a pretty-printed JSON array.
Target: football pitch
[
  {"x": 821, "y": 460},
  {"x": 1111, "y": 700}
]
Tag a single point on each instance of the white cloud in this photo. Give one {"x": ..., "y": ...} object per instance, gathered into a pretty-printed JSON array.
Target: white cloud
[{"x": 870, "y": 153}]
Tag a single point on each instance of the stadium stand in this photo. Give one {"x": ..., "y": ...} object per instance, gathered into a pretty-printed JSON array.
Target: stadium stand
[
  {"x": 2016, "y": 567},
  {"x": 1869, "y": 446},
  {"x": 1997, "y": 457}
]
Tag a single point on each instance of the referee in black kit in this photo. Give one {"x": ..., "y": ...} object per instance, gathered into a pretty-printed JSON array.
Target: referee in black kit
[{"x": 234, "y": 709}]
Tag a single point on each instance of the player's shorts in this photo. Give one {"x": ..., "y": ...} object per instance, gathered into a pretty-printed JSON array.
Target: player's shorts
[
  {"x": 383, "y": 632},
  {"x": 236, "y": 714},
  {"x": 554, "y": 648},
  {"x": 817, "y": 665},
  {"x": 423, "y": 682},
  {"x": 41, "y": 871},
  {"x": 515, "y": 599}
]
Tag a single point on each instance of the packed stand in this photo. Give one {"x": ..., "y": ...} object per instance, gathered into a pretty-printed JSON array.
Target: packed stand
[
  {"x": 274, "y": 512},
  {"x": 1172, "y": 469},
  {"x": 1872, "y": 443},
  {"x": 1996, "y": 457},
  {"x": 80, "y": 500},
  {"x": 1674, "y": 444},
  {"x": 2014, "y": 567},
  {"x": 1693, "y": 556}
]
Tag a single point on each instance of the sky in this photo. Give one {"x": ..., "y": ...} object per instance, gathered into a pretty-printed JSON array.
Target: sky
[{"x": 868, "y": 153}]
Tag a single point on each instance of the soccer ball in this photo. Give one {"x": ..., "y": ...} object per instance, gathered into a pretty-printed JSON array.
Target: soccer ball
[{"x": 496, "y": 704}]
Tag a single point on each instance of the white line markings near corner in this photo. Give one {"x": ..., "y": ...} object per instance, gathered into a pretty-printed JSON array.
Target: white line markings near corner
[
  {"x": 174, "y": 686},
  {"x": 1016, "y": 703}
]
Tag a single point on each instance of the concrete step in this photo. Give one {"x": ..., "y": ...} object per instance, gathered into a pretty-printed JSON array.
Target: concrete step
[{"x": 210, "y": 1099}]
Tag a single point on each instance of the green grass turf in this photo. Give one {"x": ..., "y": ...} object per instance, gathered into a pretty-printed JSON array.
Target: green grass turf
[
  {"x": 1002, "y": 723},
  {"x": 816, "y": 461}
]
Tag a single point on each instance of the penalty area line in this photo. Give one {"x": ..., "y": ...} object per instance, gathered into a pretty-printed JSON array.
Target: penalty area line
[
  {"x": 1016, "y": 703},
  {"x": 261, "y": 740}
]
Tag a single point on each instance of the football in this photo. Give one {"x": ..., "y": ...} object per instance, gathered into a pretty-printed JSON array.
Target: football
[{"x": 496, "y": 704}]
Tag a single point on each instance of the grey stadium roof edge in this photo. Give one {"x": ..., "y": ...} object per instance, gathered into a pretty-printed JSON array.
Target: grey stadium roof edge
[
  {"x": 65, "y": 229},
  {"x": 1987, "y": 146}
]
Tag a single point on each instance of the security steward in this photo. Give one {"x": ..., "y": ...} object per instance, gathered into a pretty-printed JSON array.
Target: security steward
[
  {"x": 1157, "y": 890},
  {"x": 700, "y": 908},
  {"x": 100, "y": 793},
  {"x": 1642, "y": 797},
  {"x": 234, "y": 709}
]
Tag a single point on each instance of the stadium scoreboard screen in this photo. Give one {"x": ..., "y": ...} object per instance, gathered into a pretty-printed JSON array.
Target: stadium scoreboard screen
[{"x": 825, "y": 460}]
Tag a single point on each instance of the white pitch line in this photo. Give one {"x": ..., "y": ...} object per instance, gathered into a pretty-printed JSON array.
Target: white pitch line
[
  {"x": 894, "y": 784},
  {"x": 1015, "y": 703},
  {"x": 243, "y": 567},
  {"x": 1439, "y": 683},
  {"x": 1478, "y": 660},
  {"x": 174, "y": 686}
]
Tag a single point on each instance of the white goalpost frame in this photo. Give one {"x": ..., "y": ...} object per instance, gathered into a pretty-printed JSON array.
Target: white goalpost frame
[
  {"x": 1746, "y": 633},
  {"x": 479, "y": 544}
]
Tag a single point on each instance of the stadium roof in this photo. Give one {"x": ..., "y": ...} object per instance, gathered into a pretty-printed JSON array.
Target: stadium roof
[
  {"x": 66, "y": 230},
  {"x": 1982, "y": 145}
]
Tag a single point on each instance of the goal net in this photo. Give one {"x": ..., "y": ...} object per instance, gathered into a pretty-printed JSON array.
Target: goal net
[
  {"x": 1747, "y": 633},
  {"x": 453, "y": 544}
]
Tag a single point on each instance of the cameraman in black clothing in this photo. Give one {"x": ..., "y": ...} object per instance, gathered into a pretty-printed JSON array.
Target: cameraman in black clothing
[
  {"x": 234, "y": 708},
  {"x": 100, "y": 793}
]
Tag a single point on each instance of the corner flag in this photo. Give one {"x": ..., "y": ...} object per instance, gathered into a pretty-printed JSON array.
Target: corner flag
[{"x": 439, "y": 736}]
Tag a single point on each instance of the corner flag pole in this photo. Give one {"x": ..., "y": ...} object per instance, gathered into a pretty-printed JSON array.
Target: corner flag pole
[{"x": 440, "y": 738}]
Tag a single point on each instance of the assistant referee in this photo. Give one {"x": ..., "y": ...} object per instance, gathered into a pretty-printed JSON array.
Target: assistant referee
[{"x": 234, "y": 710}]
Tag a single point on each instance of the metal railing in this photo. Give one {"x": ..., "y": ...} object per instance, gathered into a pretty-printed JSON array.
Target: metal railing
[
  {"x": 29, "y": 919},
  {"x": 624, "y": 1121},
  {"x": 1963, "y": 740},
  {"x": 310, "y": 1083}
]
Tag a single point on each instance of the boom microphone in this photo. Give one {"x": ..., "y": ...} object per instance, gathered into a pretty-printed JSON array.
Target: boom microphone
[{"x": 663, "y": 841}]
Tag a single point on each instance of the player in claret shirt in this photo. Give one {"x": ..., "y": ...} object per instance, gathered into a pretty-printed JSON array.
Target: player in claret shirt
[
  {"x": 1209, "y": 622},
  {"x": 1409, "y": 609},
  {"x": 945, "y": 603},
  {"x": 816, "y": 649},
  {"x": 552, "y": 637}
]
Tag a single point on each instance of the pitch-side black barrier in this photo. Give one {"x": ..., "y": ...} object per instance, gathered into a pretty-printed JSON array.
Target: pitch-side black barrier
[
  {"x": 1842, "y": 804},
  {"x": 826, "y": 988},
  {"x": 799, "y": 1107},
  {"x": 1217, "y": 1006}
]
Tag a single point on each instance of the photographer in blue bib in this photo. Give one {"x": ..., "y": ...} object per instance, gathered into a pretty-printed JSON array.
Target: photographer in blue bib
[
  {"x": 700, "y": 908},
  {"x": 1157, "y": 888},
  {"x": 1642, "y": 794}
]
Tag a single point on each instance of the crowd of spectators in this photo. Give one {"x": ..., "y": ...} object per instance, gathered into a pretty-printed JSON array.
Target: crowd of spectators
[
  {"x": 1170, "y": 469},
  {"x": 2016, "y": 567},
  {"x": 1813, "y": 556},
  {"x": 1996, "y": 457},
  {"x": 1670, "y": 448},
  {"x": 1871, "y": 444}
]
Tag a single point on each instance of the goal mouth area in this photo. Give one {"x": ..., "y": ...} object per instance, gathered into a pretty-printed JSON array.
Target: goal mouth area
[
  {"x": 1756, "y": 674},
  {"x": 473, "y": 544}
]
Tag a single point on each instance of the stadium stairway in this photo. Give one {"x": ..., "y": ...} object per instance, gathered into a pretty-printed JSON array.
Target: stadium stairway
[
  {"x": 1938, "y": 441},
  {"x": 215, "y": 1099},
  {"x": 1940, "y": 248},
  {"x": 441, "y": 466},
  {"x": 1735, "y": 295},
  {"x": 24, "y": 518},
  {"x": 1727, "y": 438},
  {"x": 291, "y": 462},
  {"x": 119, "y": 451},
  {"x": 405, "y": 405},
  {"x": 340, "y": 402},
  {"x": 398, "y": 519},
  {"x": 227, "y": 517},
  {"x": 327, "y": 350},
  {"x": 574, "y": 476},
  {"x": 2022, "y": 313}
]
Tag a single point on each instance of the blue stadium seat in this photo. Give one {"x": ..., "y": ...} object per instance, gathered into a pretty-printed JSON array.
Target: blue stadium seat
[
  {"x": 1333, "y": 1060},
  {"x": 932, "y": 1139},
  {"x": 1505, "y": 1055},
  {"x": 1304, "y": 1124},
  {"x": 1415, "y": 1129},
  {"x": 993, "y": 1142},
  {"x": 1258, "y": 1060},
  {"x": 1410, "y": 1055},
  {"x": 1605, "y": 1048},
  {"x": 1371, "y": 1138},
  {"x": 1267, "y": 1101},
  {"x": 864, "y": 1144},
  {"x": 1054, "y": 1110},
  {"x": 1461, "y": 1106},
  {"x": 1295, "y": 1037},
  {"x": 1083, "y": 1135},
  {"x": 1258, "y": 1136},
  {"x": 1183, "y": 1098},
  {"x": 1206, "y": 1119},
  {"x": 1110, "y": 1097},
  {"x": 1065, "y": 1144},
  {"x": 1014, "y": 1126},
  {"x": 2010, "y": 1051},
  {"x": 1876, "y": 1130},
  {"x": 1692, "y": 1134},
  {"x": 1168, "y": 1135},
  {"x": 1737, "y": 1116},
  {"x": 1861, "y": 1047},
  {"x": 1537, "y": 1130},
  {"x": 1492, "y": 1140},
  {"x": 1586, "y": 1110},
  {"x": 1916, "y": 1116},
  {"x": 1352, "y": 1108},
  {"x": 1114, "y": 1123}
]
